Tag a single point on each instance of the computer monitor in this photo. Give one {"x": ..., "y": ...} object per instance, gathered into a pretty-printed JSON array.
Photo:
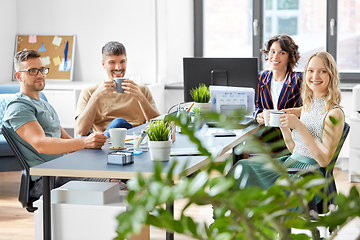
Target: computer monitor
[{"x": 237, "y": 72}]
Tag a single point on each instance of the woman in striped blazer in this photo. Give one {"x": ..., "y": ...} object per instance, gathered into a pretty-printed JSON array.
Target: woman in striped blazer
[{"x": 279, "y": 88}]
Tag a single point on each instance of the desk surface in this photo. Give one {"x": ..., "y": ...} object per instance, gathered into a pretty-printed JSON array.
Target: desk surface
[{"x": 93, "y": 162}]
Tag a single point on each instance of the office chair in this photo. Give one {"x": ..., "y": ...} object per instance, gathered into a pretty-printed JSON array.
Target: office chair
[
  {"x": 26, "y": 183},
  {"x": 328, "y": 173}
]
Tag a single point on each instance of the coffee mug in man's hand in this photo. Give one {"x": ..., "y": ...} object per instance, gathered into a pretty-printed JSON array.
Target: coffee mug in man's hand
[
  {"x": 275, "y": 118},
  {"x": 118, "y": 82}
]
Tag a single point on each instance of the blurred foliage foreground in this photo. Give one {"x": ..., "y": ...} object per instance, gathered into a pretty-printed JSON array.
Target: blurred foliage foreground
[{"x": 239, "y": 212}]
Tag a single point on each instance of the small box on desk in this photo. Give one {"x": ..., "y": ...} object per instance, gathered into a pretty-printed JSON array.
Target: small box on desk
[
  {"x": 82, "y": 220},
  {"x": 120, "y": 158}
]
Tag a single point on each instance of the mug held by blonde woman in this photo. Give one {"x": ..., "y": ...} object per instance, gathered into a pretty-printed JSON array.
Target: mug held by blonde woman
[{"x": 275, "y": 118}]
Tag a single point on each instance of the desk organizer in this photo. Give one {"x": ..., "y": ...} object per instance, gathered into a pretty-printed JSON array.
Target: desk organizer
[{"x": 120, "y": 158}]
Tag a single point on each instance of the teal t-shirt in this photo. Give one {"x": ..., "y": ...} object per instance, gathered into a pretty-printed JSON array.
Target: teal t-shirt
[{"x": 23, "y": 109}]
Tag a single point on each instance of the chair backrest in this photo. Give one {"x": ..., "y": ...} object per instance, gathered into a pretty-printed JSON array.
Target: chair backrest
[
  {"x": 26, "y": 182},
  {"x": 6, "y": 93},
  {"x": 12, "y": 89},
  {"x": 341, "y": 143},
  {"x": 328, "y": 173}
]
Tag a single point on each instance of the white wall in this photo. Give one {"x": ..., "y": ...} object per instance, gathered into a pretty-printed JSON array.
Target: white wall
[
  {"x": 156, "y": 33},
  {"x": 175, "y": 38},
  {"x": 7, "y": 40},
  {"x": 95, "y": 23}
]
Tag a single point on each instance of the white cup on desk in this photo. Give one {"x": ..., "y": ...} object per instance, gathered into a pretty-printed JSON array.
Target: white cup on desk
[{"x": 117, "y": 137}]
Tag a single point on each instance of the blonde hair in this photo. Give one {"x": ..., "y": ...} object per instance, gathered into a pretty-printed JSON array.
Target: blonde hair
[{"x": 333, "y": 96}]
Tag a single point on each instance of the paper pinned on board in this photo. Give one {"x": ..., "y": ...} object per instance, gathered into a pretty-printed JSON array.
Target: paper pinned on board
[
  {"x": 57, "y": 61},
  {"x": 32, "y": 39},
  {"x": 57, "y": 41},
  {"x": 46, "y": 60}
]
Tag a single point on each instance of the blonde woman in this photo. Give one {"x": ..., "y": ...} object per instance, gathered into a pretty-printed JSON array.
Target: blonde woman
[{"x": 314, "y": 137}]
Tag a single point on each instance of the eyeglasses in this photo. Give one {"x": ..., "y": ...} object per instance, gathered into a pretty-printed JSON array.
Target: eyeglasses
[{"x": 35, "y": 71}]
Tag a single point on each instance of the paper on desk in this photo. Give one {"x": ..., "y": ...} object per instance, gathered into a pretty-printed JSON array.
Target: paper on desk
[
  {"x": 210, "y": 131},
  {"x": 129, "y": 139}
]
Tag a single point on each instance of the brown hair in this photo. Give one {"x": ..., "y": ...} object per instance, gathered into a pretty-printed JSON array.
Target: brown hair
[
  {"x": 287, "y": 44},
  {"x": 24, "y": 55},
  {"x": 113, "y": 48}
]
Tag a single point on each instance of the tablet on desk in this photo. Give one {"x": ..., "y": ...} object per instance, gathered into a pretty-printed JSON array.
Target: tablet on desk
[
  {"x": 224, "y": 134},
  {"x": 187, "y": 151},
  {"x": 246, "y": 121}
]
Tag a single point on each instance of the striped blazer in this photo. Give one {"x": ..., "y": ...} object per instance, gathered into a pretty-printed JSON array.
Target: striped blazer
[{"x": 289, "y": 95}]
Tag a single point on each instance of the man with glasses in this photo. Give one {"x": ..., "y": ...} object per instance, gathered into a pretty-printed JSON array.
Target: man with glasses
[{"x": 34, "y": 124}]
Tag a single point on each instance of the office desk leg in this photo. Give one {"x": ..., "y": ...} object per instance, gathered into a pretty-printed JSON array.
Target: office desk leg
[
  {"x": 170, "y": 208},
  {"x": 46, "y": 208},
  {"x": 237, "y": 157}
]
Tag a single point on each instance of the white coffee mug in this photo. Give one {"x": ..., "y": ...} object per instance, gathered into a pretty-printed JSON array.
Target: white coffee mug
[
  {"x": 266, "y": 116},
  {"x": 117, "y": 137},
  {"x": 275, "y": 118}
]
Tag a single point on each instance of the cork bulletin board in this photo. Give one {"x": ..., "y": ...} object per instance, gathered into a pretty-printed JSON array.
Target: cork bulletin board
[{"x": 57, "y": 53}]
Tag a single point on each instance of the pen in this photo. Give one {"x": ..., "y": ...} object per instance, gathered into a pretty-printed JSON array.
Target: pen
[
  {"x": 129, "y": 139},
  {"x": 190, "y": 107}
]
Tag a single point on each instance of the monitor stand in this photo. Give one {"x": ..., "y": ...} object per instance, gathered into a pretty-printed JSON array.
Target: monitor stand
[{"x": 219, "y": 77}]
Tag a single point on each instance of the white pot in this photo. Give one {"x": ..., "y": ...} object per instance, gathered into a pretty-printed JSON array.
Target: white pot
[
  {"x": 204, "y": 106},
  {"x": 160, "y": 150}
]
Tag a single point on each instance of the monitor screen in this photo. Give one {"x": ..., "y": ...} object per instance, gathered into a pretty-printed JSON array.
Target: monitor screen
[{"x": 237, "y": 72}]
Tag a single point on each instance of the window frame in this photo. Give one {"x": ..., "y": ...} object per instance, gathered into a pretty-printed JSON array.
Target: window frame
[{"x": 257, "y": 33}]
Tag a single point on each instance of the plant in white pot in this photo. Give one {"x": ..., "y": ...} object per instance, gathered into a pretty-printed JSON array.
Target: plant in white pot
[
  {"x": 159, "y": 140},
  {"x": 201, "y": 96}
]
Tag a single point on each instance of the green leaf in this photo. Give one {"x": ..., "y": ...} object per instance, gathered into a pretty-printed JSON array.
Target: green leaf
[
  {"x": 191, "y": 226},
  {"x": 301, "y": 236},
  {"x": 224, "y": 236},
  {"x": 198, "y": 182},
  {"x": 200, "y": 94},
  {"x": 171, "y": 170},
  {"x": 220, "y": 187}
]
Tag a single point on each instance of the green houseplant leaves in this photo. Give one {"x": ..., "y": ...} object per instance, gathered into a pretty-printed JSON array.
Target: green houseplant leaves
[
  {"x": 200, "y": 94},
  {"x": 239, "y": 213}
]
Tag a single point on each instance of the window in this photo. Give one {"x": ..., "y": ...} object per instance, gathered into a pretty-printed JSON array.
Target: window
[
  {"x": 281, "y": 17},
  {"x": 238, "y": 28},
  {"x": 304, "y": 21},
  {"x": 348, "y": 37},
  {"x": 227, "y": 28}
]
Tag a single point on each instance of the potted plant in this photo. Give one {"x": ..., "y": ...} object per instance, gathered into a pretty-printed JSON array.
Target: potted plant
[
  {"x": 201, "y": 96},
  {"x": 159, "y": 140},
  {"x": 197, "y": 111}
]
